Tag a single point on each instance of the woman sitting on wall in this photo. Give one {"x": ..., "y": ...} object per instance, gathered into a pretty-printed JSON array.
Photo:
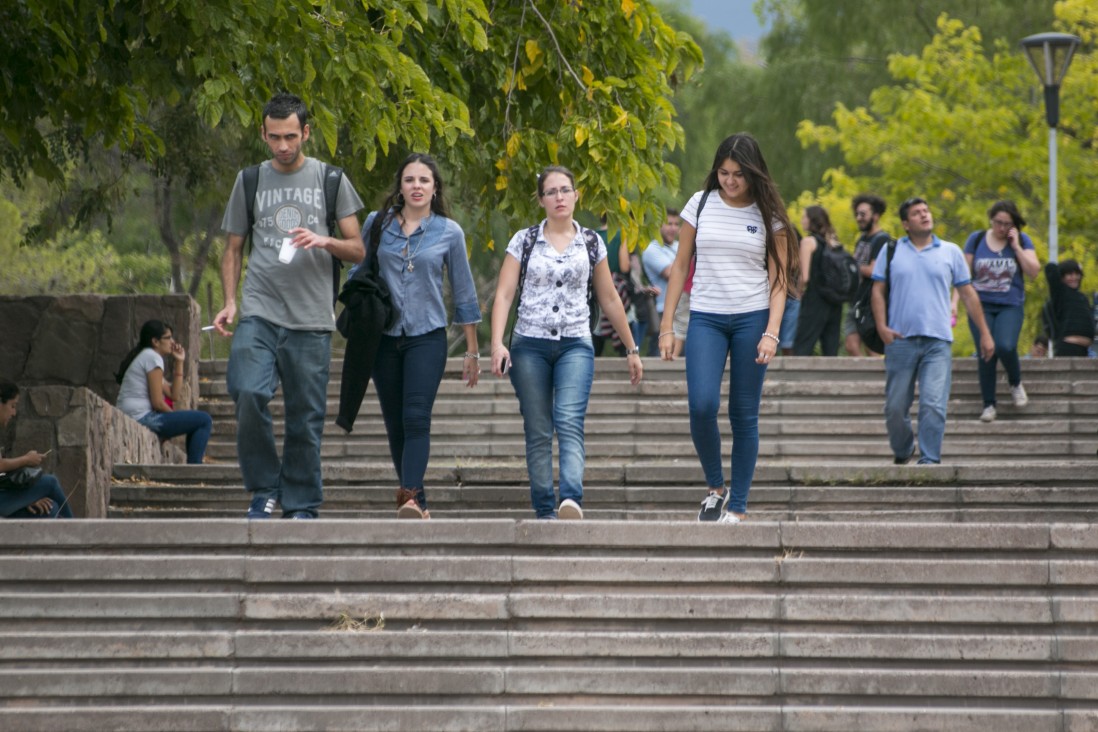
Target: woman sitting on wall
[{"x": 145, "y": 393}]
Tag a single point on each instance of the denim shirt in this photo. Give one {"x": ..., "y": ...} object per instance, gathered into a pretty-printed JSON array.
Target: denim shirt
[{"x": 412, "y": 268}]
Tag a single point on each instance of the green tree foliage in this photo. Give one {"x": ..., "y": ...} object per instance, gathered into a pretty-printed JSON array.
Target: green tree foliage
[
  {"x": 962, "y": 124},
  {"x": 497, "y": 91},
  {"x": 819, "y": 52}
]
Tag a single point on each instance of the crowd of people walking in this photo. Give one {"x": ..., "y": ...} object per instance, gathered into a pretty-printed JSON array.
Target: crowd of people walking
[{"x": 730, "y": 284}]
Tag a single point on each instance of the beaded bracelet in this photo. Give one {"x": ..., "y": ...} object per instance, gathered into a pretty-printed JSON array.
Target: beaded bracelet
[
  {"x": 771, "y": 335},
  {"x": 474, "y": 356}
]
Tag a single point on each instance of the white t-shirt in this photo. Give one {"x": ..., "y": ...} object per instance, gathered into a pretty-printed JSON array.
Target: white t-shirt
[
  {"x": 730, "y": 244},
  {"x": 133, "y": 396}
]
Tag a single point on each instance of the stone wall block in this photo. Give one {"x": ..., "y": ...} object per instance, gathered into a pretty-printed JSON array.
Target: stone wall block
[
  {"x": 48, "y": 401},
  {"x": 72, "y": 429},
  {"x": 61, "y": 350},
  {"x": 18, "y": 322}
]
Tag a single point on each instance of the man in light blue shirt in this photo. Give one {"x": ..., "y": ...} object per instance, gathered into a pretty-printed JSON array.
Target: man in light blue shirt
[
  {"x": 913, "y": 298},
  {"x": 658, "y": 258}
]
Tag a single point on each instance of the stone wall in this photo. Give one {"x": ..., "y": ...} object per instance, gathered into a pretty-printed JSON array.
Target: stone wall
[
  {"x": 79, "y": 340},
  {"x": 86, "y": 436}
]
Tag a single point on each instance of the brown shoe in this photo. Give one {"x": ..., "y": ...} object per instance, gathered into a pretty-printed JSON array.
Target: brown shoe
[{"x": 407, "y": 506}]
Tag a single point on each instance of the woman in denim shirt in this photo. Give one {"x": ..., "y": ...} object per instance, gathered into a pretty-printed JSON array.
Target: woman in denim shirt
[
  {"x": 419, "y": 240},
  {"x": 553, "y": 358}
]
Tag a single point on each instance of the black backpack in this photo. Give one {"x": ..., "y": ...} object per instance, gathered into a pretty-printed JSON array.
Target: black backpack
[
  {"x": 838, "y": 277},
  {"x": 864, "y": 321},
  {"x": 591, "y": 239},
  {"x": 333, "y": 177}
]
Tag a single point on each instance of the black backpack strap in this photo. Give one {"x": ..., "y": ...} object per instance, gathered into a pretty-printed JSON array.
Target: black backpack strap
[
  {"x": 251, "y": 187},
  {"x": 591, "y": 239},
  {"x": 528, "y": 243},
  {"x": 333, "y": 177}
]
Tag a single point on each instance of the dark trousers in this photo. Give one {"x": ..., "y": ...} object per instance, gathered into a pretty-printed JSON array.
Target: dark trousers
[
  {"x": 817, "y": 321},
  {"x": 407, "y": 373}
]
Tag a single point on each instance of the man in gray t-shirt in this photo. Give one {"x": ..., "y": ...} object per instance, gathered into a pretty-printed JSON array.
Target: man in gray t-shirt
[{"x": 286, "y": 314}]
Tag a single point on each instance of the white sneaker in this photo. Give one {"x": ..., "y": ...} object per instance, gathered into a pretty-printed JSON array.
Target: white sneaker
[
  {"x": 569, "y": 510},
  {"x": 1020, "y": 397},
  {"x": 729, "y": 518},
  {"x": 988, "y": 414}
]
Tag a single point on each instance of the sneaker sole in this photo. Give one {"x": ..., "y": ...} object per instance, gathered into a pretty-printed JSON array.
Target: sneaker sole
[
  {"x": 410, "y": 511},
  {"x": 570, "y": 513}
]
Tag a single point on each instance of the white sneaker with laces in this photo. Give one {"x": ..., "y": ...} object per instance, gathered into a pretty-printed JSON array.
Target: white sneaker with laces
[
  {"x": 730, "y": 518},
  {"x": 988, "y": 414},
  {"x": 1019, "y": 394}
]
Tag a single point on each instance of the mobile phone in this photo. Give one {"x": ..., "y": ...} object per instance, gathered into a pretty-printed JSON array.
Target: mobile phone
[{"x": 506, "y": 365}]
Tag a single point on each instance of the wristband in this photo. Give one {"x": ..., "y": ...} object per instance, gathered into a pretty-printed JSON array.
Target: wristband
[
  {"x": 771, "y": 335},
  {"x": 474, "y": 356},
  {"x": 666, "y": 332}
]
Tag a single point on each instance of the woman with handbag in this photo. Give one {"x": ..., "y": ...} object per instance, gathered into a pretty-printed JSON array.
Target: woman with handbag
[
  {"x": 418, "y": 241},
  {"x": 25, "y": 491},
  {"x": 554, "y": 268},
  {"x": 746, "y": 265},
  {"x": 147, "y": 396}
]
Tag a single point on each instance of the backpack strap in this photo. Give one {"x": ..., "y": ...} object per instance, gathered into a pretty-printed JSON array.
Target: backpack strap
[
  {"x": 251, "y": 187},
  {"x": 591, "y": 239},
  {"x": 333, "y": 177},
  {"x": 528, "y": 243}
]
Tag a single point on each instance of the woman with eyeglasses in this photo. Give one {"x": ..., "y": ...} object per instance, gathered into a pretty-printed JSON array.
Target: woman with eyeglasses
[
  {"x": 553, "y": 267},
  {"x": 998, "y": 257},
  {"x": 149, "y": 397},
  {"x": 746, "y": 261}
]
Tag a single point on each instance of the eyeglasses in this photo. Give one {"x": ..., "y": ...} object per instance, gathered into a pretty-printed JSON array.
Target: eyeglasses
[
  {"x": 554, "y": 192},
  {"x": 1005, "y": 224}
]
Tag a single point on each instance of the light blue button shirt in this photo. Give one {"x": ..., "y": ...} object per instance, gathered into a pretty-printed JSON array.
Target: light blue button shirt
[
  {"x": 919, "y": 287},
  {"x": 412, "y": 266}
]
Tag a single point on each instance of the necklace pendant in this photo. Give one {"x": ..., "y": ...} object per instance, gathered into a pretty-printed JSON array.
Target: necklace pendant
[{"x": 411, "y": 267}]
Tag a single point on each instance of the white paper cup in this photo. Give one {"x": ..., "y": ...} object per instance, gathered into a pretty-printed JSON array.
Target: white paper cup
[{"x": 287, "y": 252}]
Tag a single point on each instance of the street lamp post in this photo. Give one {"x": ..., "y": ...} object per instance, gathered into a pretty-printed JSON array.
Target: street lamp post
[{"x": 1050, "y": 54}]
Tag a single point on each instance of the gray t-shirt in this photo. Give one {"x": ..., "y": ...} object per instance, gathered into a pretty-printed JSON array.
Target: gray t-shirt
[
  {"x": 297, "y": 295},
  {"x": 133, "y": 395}
]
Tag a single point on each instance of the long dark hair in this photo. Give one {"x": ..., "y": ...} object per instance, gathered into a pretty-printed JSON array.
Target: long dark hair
[
  {"x": 819, "y": 223},
  {"x": 394, "y": 201},
  {"x": 1012, "y": 211},
  {"x": 150, "y": 331},
  {"x": 743, "y": 149},
  {"x": 8, "y": 390}
]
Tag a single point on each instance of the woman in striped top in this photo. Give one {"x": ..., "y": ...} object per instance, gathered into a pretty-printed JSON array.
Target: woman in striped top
[{"x": 737, "y": 226}]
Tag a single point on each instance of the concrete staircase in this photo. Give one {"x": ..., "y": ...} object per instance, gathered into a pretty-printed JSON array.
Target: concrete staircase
[
  {"x": 524, "y": 625},
  {"x": 859, "y": 595},
  {"x": 824, "y": 451}
]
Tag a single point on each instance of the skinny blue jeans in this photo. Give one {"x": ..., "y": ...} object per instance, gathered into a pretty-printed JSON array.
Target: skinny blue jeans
[
  {"x": 264, "y": 355},
  {"x": 1005, "y": 324},
  {"x": 407, "y": 374},
  {"x": 711, "y": 340},
  {"x": 196, "y": 425},
  {"x": 930, "y": 362},
  {"x": 552, "y": 380}
]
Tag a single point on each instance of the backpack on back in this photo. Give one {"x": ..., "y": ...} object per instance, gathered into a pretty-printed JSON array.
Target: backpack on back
[
  {"x": 838, "y": 274},
  {"x": 333, "y": 177}
]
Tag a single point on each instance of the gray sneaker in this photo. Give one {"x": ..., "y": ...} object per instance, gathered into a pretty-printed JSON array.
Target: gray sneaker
[{"x": 713, "y": 506}]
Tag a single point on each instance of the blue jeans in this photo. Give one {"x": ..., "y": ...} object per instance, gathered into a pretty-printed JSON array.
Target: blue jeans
[
  {"x": 262, "y": 356},
  {"x": 192, "y": 423},
  {"x": 13, "y": 503},
  {"x": 552, "y": 380},
  {"x": 1005, "y": 324},
  {"x": 930, "y": 361},
  {"x": 407, "y": 373},
  {"x": 710, "y": 340}
]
